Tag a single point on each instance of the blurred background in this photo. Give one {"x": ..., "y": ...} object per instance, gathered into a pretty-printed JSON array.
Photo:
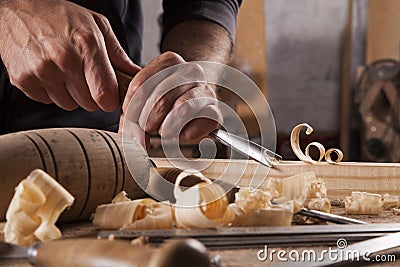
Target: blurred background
[{"x": 332, "y": 64}]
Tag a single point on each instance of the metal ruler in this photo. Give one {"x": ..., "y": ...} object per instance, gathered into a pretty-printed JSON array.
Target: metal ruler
[{"x": 254, "y": 237}]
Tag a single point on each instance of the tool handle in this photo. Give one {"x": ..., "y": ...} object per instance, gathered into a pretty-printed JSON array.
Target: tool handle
[
  {"x": 91, "y": 252},
  {"x": 101, "y": 252},
  {"x": 123, "y": 80}
]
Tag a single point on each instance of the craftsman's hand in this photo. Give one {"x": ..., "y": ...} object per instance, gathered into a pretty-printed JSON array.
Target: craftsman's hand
[
  {"x": 188, "y": 112},
  {"x": 58, "y": 52}
]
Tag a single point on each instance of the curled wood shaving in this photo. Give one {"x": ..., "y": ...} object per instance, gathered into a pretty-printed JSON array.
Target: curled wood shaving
[
  {"x": 34, "y": 209},
  {"x": 121, "y": 197},
  {"x": 250, "y": 200},
  {"x": 254, "y": 208},
  {"x": 338, "y": 152},
  {"x": 321, "y": 150},
  {"x": 273, "y": 215},
  {"x": 202, "y": 206},
  {"x": 299, "y": 188},
  {"x": 296, "y": 188},
  {"x": 363, "y": 203},
  {"x": 136, "y": 214},
  {"x": 320, "y": 204},
  {"x": 295, "y": 144},
  {"x": 316, "y": 189},
  {"x": 295, "y": 141}
]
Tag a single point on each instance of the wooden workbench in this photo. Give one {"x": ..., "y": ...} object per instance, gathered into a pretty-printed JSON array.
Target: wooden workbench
[
  {"x": 340, "y": 180},
  {"x": 231, "y": 258}
]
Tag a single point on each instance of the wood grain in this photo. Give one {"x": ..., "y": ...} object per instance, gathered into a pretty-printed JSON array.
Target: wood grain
[
  {"x": 341, "y": 179},
  {"x": 383, "y": 36},
  {"x": 345, "y": 87},
  {"x": 89, "y": 163},
  {"x": 250, "y": 55}
]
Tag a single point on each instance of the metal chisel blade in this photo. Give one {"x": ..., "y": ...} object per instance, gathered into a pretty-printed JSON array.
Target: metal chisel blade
[{"x": 11, "y": 251}]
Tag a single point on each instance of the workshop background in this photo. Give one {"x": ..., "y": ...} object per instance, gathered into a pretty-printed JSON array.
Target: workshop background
[{"x": 309, "y": 57}]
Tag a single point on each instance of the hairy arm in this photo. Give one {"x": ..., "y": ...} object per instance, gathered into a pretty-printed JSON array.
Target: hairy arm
[
  {"x": 199, "y": 40},
  {"x": 190, "y": 111}
]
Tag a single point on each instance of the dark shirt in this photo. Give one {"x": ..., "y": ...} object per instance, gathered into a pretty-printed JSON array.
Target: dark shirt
[{"x": 18, "y": 112}]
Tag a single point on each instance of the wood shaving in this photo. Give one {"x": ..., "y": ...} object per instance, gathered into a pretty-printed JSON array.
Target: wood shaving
[
  {"x": 390, "y": 201},
  {"x": 202, "y": 206},
  {"x": 321, "y": 150},
  {"x": 363, "y": 203},
  {"x": 320, "y": 204},
  {"x": 338, "y": 153},
  {"x": 139, "y": 241},
  {"x": 205, "y": 205},
  {"x": 273, "y": 215},
  {"x": 34, "y": 209},
  {"x": 135, "y": 214},
  {"x": 121, "y": 197},
  {"x": 2, "y": 230},
  {"x": 250, "y": 200},
  {"x": 396, "y": 211},
  {"x": 295, "y": 144},
  {"x": 295, "y": 188}
]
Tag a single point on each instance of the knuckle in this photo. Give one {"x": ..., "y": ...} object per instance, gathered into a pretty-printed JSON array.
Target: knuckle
[
  {"x": 42, "y": 68},
  {"x": 21, "y": 80},
  {"x": 196, "y": 70},
  {"x": 151, "y": 127},
  {"x": 100, "y": 96},
  {"x": 61, "y": 57},
  {"x": 85, "y": 40},
  {"x": 164, "y": 103},
  {"x": 187, "y": 106},
  {"x": 171, "y": 57},
  {"x": 103, "y": 20}
]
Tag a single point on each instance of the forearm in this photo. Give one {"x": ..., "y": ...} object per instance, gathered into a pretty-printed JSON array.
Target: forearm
[{"x": 199, "y": 40}]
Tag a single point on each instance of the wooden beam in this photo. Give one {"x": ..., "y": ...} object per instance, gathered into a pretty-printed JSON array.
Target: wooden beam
[
  {"x": 249, "y": 55},
  {"x": 341, "y": 179},
  {"x": 345, "y": 88},
  {"x": 383, "y": 36}
]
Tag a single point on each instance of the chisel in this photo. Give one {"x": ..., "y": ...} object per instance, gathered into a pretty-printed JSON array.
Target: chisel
[{"x": 99, "y": 253}]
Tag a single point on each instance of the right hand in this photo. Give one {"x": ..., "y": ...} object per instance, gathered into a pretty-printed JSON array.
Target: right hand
[{"x": 58, "y": 52}]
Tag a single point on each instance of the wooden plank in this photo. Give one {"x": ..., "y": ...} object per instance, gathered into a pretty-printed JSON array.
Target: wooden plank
[
  {"x": 383, "y": 36},
  {"x": 250, "y": 55},
  {"x": 341, "y": 179},
  {"x": 345, "y": 92}
]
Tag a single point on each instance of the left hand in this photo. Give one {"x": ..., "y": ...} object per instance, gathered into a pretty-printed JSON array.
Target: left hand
[{"x": 188, "y": 112}]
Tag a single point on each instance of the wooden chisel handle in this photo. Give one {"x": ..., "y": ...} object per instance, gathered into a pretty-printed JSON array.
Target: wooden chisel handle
[
  {"x": 123, "y": 80},
  {"x": 99, "y": 253}
]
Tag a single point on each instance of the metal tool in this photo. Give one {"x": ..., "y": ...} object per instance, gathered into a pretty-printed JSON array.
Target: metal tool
[
  {"x": 246, "y": 147},
  {"x": 250, "y": 237},
  {"x": 354, "y": 253},
  {"x": 329, "y": 217}
]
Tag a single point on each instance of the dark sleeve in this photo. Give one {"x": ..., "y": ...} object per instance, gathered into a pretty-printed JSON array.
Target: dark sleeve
[{"x": 223, "y": 12}]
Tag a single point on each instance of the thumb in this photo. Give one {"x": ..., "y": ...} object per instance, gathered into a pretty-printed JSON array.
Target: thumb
[
  {"x": 132, "y": 130},
  {"x": 118, "y": 57}
]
